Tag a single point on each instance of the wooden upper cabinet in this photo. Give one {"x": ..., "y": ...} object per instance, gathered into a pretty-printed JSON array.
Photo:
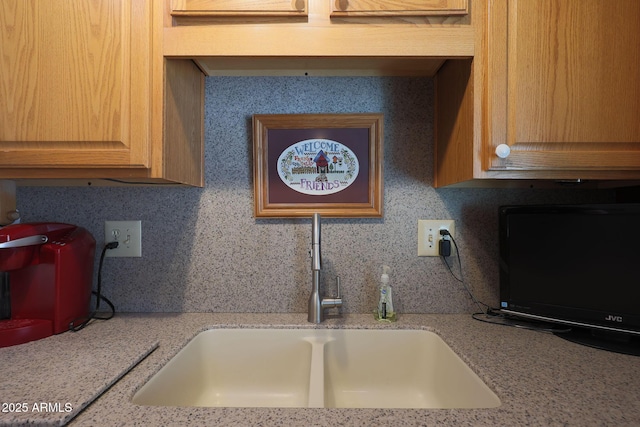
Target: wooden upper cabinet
[
  {"x": 238, "y": 7},
  {"x": 557, "y": 81},
  {"x": 563, "y": 80},
  {"x": 398, "y": 8},
  {"x": 75, "y": 83},
  {"x": 85, "y": 94}
]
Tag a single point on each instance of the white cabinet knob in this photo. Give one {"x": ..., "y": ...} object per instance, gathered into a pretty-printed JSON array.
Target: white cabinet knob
[{"x": 503, "y": 151}]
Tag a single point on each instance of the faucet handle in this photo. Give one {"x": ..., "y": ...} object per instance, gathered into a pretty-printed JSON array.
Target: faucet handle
[{"x": 333, "y": 302}]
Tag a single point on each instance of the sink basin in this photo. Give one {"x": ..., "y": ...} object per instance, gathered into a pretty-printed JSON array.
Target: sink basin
[
  {"x": 399, "y": 369},
  {"x": 235, "y": 367},
  {"x": 330, "y": 368}
]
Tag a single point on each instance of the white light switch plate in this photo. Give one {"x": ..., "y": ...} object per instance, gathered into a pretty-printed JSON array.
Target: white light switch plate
[{"x": 128, "y": 234}]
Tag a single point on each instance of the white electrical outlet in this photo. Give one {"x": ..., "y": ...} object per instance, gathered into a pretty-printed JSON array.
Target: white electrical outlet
[
  {"x": 429, "y": 235},
  {"x": 128, "y": 234}
]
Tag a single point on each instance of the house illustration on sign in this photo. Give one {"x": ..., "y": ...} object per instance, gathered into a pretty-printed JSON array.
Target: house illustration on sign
[{"x": 322, "y": 162}]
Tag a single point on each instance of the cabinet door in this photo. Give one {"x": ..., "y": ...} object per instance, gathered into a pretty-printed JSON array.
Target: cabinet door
[
  {"x": 238, "y": 7},
  {"x": 564, "y": 85},
  {"x": 75, "y": 83},
  {"x": 397, "y": 8}
]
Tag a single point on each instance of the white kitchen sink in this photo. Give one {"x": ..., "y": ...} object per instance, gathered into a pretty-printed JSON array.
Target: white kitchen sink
[{"x": 332, "y": 368}]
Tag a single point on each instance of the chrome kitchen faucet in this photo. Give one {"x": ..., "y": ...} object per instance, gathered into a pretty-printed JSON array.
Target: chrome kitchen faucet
[{"x": 317, "y": 304}]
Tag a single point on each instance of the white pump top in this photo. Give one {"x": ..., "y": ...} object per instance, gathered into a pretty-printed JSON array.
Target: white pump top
[{"x": 385, "y": 276}]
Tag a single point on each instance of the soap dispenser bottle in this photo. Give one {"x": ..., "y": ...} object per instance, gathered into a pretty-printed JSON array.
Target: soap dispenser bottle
[{"x": 385, "y": 312}]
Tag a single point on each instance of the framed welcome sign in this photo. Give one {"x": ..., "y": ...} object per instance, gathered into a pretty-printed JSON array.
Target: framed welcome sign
[{"x": 325, "y": 163}]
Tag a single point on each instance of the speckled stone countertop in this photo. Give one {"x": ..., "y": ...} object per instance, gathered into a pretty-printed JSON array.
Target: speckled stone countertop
[
  {"x": 50, "y": 381},
  {"x": 541, "y": 379}
]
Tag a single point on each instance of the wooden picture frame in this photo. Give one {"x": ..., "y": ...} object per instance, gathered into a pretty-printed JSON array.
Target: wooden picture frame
[{"x": 325, "y": 163}]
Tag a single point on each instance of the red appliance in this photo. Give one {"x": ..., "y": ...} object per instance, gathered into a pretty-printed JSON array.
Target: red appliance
[{"x": 46, "y": 275}]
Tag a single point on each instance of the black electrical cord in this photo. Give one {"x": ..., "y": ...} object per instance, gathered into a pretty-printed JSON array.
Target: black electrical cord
[
  {"x": 460, "y": 279},
  {"x": 493, "y": 315},
  {"x": 98, "y": 294}
]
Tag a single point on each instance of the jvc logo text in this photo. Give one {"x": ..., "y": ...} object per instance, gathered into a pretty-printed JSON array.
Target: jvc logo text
[{"x": 613, "y": 318}]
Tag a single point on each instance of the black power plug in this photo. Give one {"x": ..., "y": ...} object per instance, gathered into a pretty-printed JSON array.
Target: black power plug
[{"x": 444, "y": 245}]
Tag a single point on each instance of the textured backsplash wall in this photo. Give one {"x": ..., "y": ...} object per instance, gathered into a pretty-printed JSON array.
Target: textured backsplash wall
[{"x": 203, "y": 250}]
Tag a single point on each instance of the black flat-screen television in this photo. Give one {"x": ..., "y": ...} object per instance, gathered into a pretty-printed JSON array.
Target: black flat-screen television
[{"x": 574, "y": 265}]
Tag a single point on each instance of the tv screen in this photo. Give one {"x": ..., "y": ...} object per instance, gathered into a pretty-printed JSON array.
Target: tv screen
[{"x": 577, "y": 265}]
